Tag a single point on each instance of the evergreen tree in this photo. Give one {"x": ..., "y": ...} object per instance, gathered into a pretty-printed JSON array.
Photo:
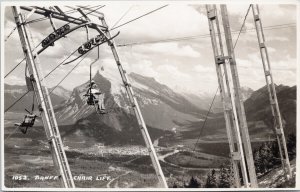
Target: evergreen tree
[
  {"x": 211, "y": 181},
  {"x": 291, "y": 145},
  {"x": 225, "y": 177},
  {"x": 276, "y": 154},
  {"x": 257, "y": 161},
  {"x": 193, "y": 183},
  {"x": 266, "y": 157},
  {"x": 175, "y": 185}
]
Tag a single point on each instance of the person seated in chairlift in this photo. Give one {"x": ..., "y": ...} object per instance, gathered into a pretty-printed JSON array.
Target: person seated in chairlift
[
  {"x": 92, "y": 91},
  {"x": 27, "y": 122}
]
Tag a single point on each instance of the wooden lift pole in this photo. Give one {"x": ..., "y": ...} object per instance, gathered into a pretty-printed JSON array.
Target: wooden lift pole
[
  {"x": 227, "y": 99},
  {"x": 277, "y": 120},
  {"x": 234, "y": 113},
  {"x": 44, "y": 102},
  {"x": 239, "y": 100},
  {"x": 137, "y": 111}
]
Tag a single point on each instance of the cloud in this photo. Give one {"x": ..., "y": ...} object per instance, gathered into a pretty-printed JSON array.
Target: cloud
[
  {"x": 204, "y": 69},
  {"x": 15, "y": 80},
  {"x": 145, "y": 67},
  {"x": 183, "y": 65},
  {"x": 172, "y": 21},
  {"x": 172, "y": 48}
]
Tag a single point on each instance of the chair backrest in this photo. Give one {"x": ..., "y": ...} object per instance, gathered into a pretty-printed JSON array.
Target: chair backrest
[{"x": 29, "y": 119}]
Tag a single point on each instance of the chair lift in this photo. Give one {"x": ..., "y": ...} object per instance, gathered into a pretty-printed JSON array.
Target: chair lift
[
  {"x": 28, "y": 121},
  {"x": 93, "y": 94},
  {"x": 29, "y": 118},
  {"x": 95, "y": 98}
]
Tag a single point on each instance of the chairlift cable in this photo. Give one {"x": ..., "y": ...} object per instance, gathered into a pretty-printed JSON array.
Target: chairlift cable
[
  {"x": 242, "y": 25},
  {"x": 272, "y": 27},
  {"x": 14, "y": 67},
  {"x": 60, "y": 64},
  {"x": 9, "y": 35},
  {"x": 68, "y": 74},
  {"x": 139, "y": 17},
  {"x": 14, "y": 131},
  {"x": 35, "y": 48},
  {"x": 20, "y": 62},
  {"x": 122, "y": 17},
  {"x": 16, "y": 102},
  {"x": 41, "y": 79}
]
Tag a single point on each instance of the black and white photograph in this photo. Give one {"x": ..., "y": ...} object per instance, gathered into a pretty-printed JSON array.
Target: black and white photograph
[{"x": 99, "y": 95}]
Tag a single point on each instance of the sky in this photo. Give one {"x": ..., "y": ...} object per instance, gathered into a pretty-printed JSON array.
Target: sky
[{"x": 185, "y": 66}]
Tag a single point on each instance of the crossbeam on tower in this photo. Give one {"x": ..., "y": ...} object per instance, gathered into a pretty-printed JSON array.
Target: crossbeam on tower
[
  {"x": 276, "y": 116},
  {"x": 44, "y": 101}
]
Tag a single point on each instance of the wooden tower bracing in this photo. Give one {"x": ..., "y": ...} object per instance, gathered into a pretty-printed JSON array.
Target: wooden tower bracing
[
  {"x": 276, "y": 116},
  {"x": 229, "y": 87}
]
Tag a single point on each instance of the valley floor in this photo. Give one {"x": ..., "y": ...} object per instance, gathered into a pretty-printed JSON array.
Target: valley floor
[{"x": 113, "y": 166}]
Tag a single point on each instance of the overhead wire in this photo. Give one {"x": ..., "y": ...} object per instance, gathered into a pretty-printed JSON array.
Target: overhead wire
[
  {"x": 12, "y": 31},
  {"x": 45, "y": 76},
  {"x": 138, "y": 17},
  {"x": 21, "y": 62},
  {"x": 61, "y": 63},
  {"x": 69, "y": 73},
  {"x": 272, "y": 27},
  {"x": 16, "y": 102},
  {"x": 126, "y": 12},
  {"x": 35, "y": 48},
  {"x": 242, "y": 25},
  {"x": 43, "y": 79},
  {"x": 14, "y": 68},
  {"x": 73, "y": 10},
  {"x": 13, "y": 132}
]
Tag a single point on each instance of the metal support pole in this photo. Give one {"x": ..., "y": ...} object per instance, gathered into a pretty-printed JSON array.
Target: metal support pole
[
  {"x": 278, "y": 127},
  {"x": 44, "y": 101},
  {"x": 238, "y": 98},
  {"x": 135, "y": 106}
]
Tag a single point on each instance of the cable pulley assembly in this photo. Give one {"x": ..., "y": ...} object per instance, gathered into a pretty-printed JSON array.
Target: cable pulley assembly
[
  {"x": 91, "y": 44},
  {"x": 96, "y": 41},
  {"x": 57, "y": 33}
]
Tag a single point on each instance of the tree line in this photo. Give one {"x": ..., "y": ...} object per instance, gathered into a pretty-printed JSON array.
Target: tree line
[{"x": 266, "y": 158}]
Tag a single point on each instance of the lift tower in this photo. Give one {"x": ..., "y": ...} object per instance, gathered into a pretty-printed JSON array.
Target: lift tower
[
  {"x": 44, "y": 101},
  {"x": 32, "y": 58},
  {"x": 230, "y": 91},
  {"x": 276, "y": 116}
]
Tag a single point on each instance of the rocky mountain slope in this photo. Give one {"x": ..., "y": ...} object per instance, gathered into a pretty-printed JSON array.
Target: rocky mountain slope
[
  {"x": 163, "y": 109},
  {"x": 14, "y": 92},
  {"x": 258, "y": 113},
  {"x": 204, "y": 100}
]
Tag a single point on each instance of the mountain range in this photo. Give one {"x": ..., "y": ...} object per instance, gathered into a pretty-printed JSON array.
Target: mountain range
[
  {"x": 14, "y": 92},
  {"x": 166, "y": 112}
]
